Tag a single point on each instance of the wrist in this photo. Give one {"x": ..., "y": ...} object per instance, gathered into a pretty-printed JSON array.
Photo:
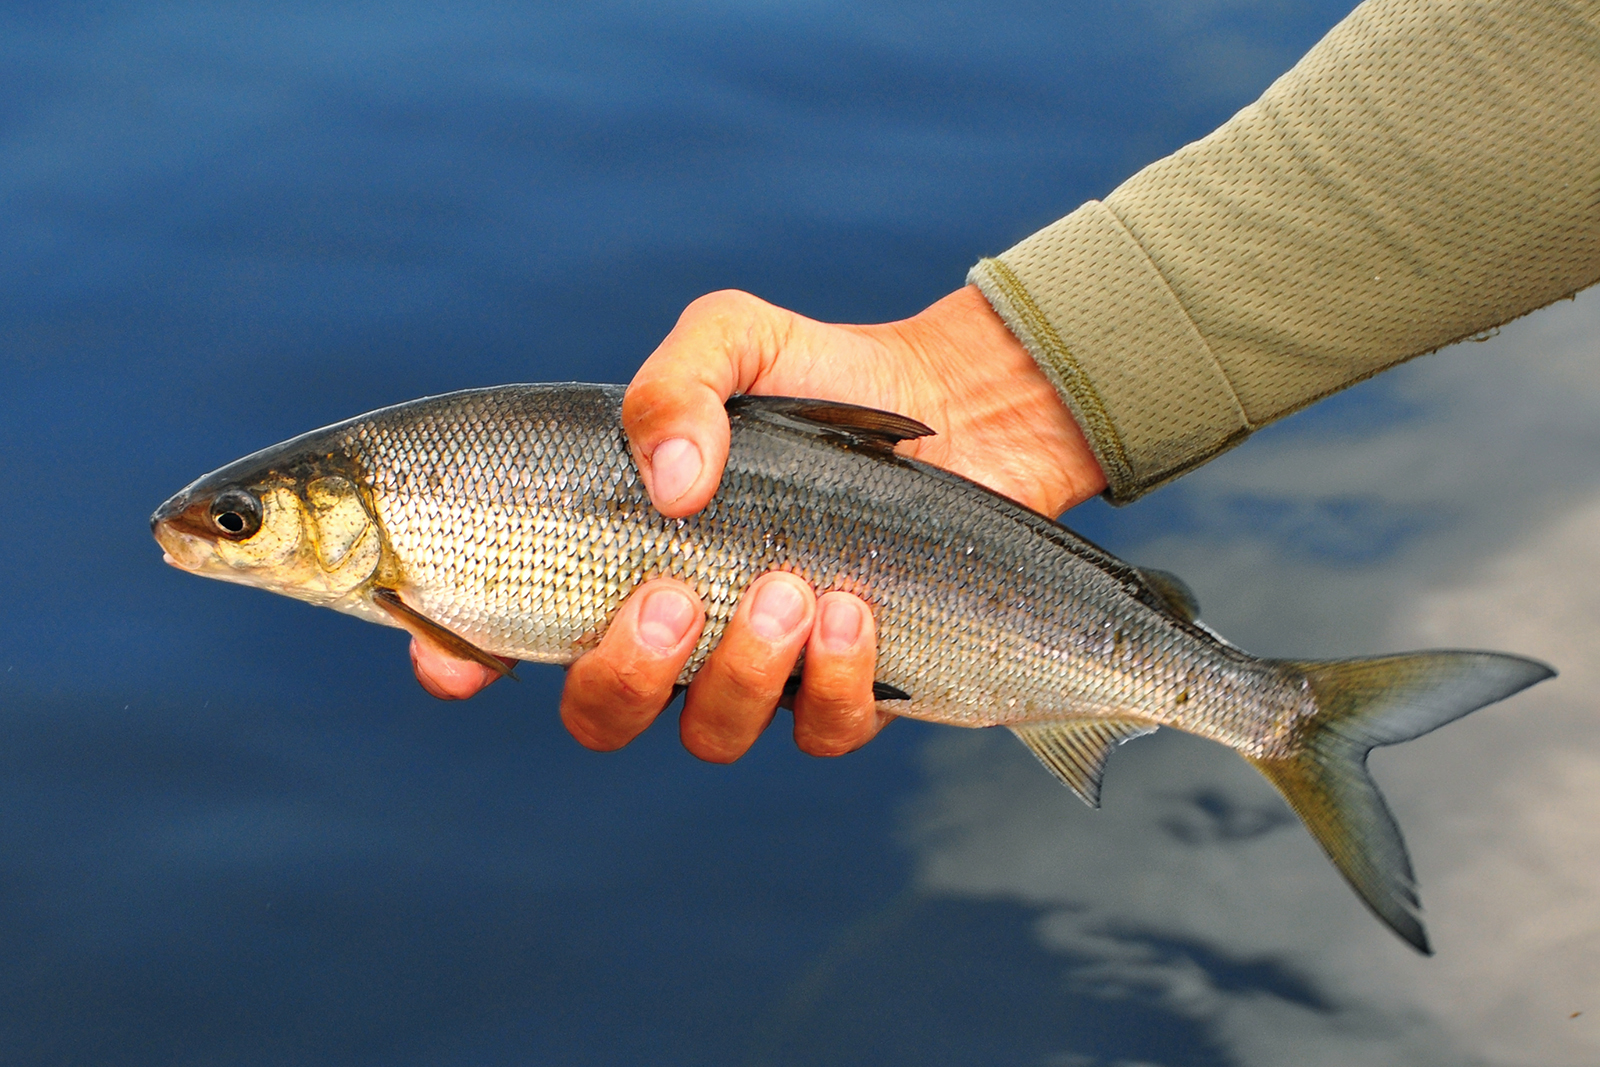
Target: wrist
[{"x": 999, "y": 398}]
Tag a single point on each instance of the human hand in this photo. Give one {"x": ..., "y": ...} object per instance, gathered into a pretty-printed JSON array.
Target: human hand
[{"x": 955, "y": 367}]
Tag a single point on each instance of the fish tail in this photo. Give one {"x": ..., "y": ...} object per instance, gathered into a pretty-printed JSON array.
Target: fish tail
[{"x": 1361, "y": 704}]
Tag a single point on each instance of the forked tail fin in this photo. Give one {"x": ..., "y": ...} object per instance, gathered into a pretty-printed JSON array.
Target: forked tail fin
[{"x": 1362, "y": 704}]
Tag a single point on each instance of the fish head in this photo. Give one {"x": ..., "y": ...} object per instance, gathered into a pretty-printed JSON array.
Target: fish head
[{"x": 292, "y": 521}]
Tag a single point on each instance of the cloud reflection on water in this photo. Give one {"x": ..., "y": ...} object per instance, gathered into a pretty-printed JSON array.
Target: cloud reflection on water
[{"x": 1501, "y": 448}]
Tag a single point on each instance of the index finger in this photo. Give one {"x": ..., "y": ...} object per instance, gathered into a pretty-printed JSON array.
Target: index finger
[
  {"x": 673, "y": 411},
  {"x": 617, "y": 688}
]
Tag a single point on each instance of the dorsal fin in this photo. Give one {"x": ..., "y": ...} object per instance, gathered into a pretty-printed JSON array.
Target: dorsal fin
[
  {"x": 1175, "y": 597},
  {"x": 867, "y": 428},
  {"x": 1076, "y": 751}
]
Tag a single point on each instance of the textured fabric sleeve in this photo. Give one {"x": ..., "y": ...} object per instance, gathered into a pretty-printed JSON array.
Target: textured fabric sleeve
[{"x": 1429, "y": 170}]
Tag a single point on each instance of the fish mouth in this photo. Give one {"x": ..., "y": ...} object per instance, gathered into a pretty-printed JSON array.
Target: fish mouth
[{"x": 182, "y": 528}]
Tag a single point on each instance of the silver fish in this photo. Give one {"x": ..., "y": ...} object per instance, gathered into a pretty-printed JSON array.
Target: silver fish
[{"x": 511, "y": 522}]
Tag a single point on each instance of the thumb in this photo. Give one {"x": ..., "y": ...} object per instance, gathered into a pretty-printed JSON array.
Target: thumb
[{"x": 673, "y": 411}]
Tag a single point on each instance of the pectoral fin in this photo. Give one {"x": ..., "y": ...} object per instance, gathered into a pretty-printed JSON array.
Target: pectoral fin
[
  {"x": 1076, "y": 751},
  {"x": 425, "y": 629}
]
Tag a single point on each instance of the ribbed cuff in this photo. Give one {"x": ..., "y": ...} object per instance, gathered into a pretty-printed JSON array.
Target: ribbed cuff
[{"x": 1096, "y": 314}]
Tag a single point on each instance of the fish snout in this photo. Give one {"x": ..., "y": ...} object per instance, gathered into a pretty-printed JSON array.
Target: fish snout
[
  {"x": 174, "y": 505},
  {"x": 184, "y": 535}
]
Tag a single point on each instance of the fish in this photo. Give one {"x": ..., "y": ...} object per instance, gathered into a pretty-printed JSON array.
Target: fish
[{"x": 509, "y": 523}]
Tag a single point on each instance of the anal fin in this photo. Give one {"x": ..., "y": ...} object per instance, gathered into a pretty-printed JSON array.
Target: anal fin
[
  {"x": 1075, "y": 751},
  {"x": 425, "y": 629}
]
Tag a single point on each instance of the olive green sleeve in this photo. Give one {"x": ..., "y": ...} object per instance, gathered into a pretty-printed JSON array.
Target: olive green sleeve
[{"x": 1429, "y": 170}]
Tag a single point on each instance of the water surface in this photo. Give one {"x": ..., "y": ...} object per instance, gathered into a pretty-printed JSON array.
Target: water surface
[{"x": 232, "y": 829}]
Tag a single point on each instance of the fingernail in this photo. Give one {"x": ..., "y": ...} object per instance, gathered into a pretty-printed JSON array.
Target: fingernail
[
  {"x": 840, "y": 625},
  {"x": 778, "y": 609},
  {"x": 664, "y": 618},
  {"x": 674, "y": 467}
]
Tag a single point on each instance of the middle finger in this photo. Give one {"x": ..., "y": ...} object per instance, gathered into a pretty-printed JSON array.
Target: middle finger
[{"x": 733, "y": 696}]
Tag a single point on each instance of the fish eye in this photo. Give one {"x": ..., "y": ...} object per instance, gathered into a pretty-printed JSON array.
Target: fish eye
[{"x": 236, "y": 514}]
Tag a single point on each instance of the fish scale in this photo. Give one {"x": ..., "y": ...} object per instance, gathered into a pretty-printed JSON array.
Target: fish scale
[
  {"x": 511, "y": 522},
  {"x": 528, "y": 552}
]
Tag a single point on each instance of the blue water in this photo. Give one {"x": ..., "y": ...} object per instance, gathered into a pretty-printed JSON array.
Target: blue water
[{"x": 232, "y": 829}]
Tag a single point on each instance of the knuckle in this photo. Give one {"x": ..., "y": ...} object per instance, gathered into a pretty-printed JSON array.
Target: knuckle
[
  {"x": 830, "y": 751},
  {"x": 630, "y": 686},
  {"x": 837, "y": 689},
  {"x": 831, "y": 747},
  {"x": 712, "y": 749},
  {"x": 718, "y": 303},
  {"x": 596, "y": 680},
  {"x": 832, "y": 731},
  {"x": 827, "y": 747},
  {"x": 721, "y": 721},
  {"x": 747, "y": 683},
  {"x": 583, "y": 731},
  {"x": 647, "y": 398}
]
